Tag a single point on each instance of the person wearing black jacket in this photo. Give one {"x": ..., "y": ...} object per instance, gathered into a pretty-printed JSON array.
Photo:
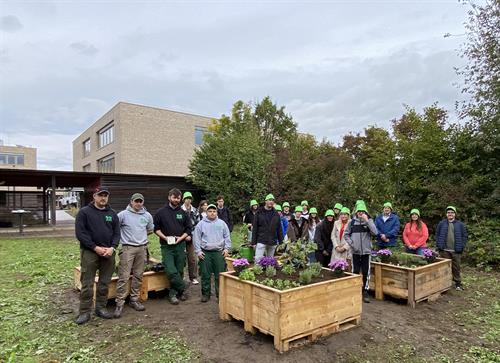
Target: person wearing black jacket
[
  {"x": 173, "y": 226},
  {"x": 224, "y": 213},
  {"x": 97, "y": 227},
  {"x": 249, "y": 217},
  {"x": 266, "y": 230},
  {"x": 323, "y": 238}
]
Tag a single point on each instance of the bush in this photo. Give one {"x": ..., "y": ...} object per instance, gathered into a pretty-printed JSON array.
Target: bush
[
  {"x": 257, "y": 269},
  {"x": 483, "y": 248},
  {"x": 270, "y": 271}
]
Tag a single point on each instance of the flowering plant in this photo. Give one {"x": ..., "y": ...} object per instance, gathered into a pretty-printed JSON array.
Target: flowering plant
[
  {"x": 429, "y": 254},
  {"x": 267, "y": 261},
  {"x": 338, "y": 265},
  {"x": 384, "y": 252},
  {"x": 241, "y": 262}
]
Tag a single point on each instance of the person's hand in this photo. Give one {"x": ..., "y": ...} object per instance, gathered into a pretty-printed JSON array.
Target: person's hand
[
  {"x": 253, "y": 246},
  {"x": 178, "y": 239},
  {"x": 188, "y": 238},
  {"x": 108, "y": 252},
  {"x": 201, "y": 256},
  {"x": 225, "y": 253},
  {"x": 325, "y": 253},
  {"x": 338, "y": 249},
  {"x": 100, "y": 250}
]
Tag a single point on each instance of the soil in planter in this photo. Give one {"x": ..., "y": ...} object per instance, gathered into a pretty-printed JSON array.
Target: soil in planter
[
  {"x": 325, "y": 275},
  {"x": 404, "y": 260}
]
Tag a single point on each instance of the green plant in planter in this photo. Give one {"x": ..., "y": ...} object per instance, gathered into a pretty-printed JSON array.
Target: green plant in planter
[
  {"x": 257, "y": 270},
  {"x": 315, "y": 269},
  {"x": 270, "y": 271},
  {"x": 247, "y": 275},
  {"x": 295, "y": 253},
  {"x": 269, "y": 282},
  {"x": 288, "y": 269},
  {"x": 305, "y": 277}
]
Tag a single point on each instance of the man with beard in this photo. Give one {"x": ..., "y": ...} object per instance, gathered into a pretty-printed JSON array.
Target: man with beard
[
  {"x": 323, "y": 238},
  {"x": 173, "y": 226}
]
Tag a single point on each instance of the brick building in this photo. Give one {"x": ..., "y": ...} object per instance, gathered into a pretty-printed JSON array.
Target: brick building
[
  {"x": 17, "y": 157},
  {"x": 135, "y": 139}
]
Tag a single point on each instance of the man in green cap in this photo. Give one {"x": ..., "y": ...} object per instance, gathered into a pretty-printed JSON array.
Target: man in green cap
[
  {"x": 267, "y": 232},
  {"x": 358, "y": 235},
  {"x": 173, "y": 226},
  {"x": 451, "y": 239},
  {"x": 135, "y": 225},
  {"x": 249, "y": 217},
  {"x": 212, "y": 242},
  {"x": 387, "y": 224},
  {"x": 193, "y": 215},
  {"x": 286, "y": 210},
  {"x": 336, "y": 210}
]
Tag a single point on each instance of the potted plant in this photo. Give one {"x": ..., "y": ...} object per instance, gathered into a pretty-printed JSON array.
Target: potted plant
[
  {"x": 338, "y": 266},
  {"x": 240, "y": 264},
  {"x": 384, "y": 255},
  {"x": 429, "y": 255}
]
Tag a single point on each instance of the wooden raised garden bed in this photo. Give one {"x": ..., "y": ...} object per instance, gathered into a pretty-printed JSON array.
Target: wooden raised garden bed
[
  {"x": 413, "y": 284},
  {"x": 151, "y": 281},
  {"x": 295, "y": 316}
]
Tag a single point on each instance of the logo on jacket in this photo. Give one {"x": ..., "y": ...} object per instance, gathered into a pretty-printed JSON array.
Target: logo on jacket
[
  {"x": 179, "y": 216},
  {"x": 109, "y": 219}
]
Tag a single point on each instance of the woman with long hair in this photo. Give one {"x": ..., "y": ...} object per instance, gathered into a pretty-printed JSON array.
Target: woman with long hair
[
  {"x": 341, "y": 250},
  {"x": 415, "y": 234}
]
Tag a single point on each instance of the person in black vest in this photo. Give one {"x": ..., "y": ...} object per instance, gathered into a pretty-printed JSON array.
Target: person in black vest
[
  {"x": 97, "y": 227},
  {"x": 224, "y": 213},
  {"x": 267, "y": 232}
]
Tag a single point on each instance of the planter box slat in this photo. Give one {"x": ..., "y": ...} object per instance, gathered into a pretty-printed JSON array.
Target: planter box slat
[
  {"x": 294, "y": 316},
  {"x": 414, "y": 284}
]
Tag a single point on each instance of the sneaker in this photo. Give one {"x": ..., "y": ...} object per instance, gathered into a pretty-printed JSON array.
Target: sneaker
[
  {"x": 366, "y": 297},
  {"x": 103, "y": 314},
  {"x": 136, "y": 305},
  {"x": 173, "y": 300},
  {"x": 459, "y": 287},
  {"x": 194, "y": 282},
  {"x": 118, "y": 311},
  {"x": 82, "y": 318},
  {"x": 205, "y": 298}
]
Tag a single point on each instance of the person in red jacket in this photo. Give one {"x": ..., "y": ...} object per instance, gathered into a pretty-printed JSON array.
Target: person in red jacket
[{"x": 415, "y": 234}]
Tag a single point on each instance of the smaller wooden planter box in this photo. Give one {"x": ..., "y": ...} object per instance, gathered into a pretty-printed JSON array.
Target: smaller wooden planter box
[
  {"x": 229, "y": 263},
  {"x": 151, "y": 281},
  {"x": 414, "y": 284},
  {"x": 296, "y": 316}
]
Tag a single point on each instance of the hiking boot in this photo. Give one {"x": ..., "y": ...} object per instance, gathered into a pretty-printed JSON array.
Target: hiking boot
[
  {"x": 136, "y": 305},
  {"x": 182, "y": 296},
  {"x": 205, "y": 298},
  {"x": 82, "y": 318},
  {"x": 103, "y": 314},
  {"x": 194, "y": 282},
  {"x": 118, "y": 311},
  {"x": 366, "y": 296},
  {"x": 173, "y": 300}
]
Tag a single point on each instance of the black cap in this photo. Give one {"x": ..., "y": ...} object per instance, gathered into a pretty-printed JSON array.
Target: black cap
[{"x": 101, "y": 190}]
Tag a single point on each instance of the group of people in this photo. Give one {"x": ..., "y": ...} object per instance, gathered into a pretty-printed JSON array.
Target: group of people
[
  {"x": 202, "y": 238},
  {"x": 342, "y": 235}
]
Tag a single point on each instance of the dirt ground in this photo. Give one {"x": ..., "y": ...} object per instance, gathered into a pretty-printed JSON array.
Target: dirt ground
[{"x": 428, "y": 330}]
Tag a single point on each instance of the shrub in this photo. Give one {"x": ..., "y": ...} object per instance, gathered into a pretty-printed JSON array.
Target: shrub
[
  {"x": 483, "y": 247},
  {"x": 258, "y": 270},
  {"x": 288, "y": 269},
  {"x": 305, "y": 277},
  {"x": 270, "y": 271}
]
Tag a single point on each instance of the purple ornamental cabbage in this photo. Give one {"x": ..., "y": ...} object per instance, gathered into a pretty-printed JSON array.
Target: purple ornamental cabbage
[
  {"x": 338, "y": 264},
  {"x": 384, "y": 252},
  {"x": 268, "y": 261},
  {"x": 241, "y": 262}
]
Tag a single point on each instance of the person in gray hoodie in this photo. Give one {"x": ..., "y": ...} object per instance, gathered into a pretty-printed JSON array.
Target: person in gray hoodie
[
  {"x": 358, "y": 235},
  {"x": 135, "y": 225},
  {"x": 212, "y": 242}
]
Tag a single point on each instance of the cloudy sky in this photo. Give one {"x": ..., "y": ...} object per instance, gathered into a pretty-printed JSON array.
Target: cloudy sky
[{"x": 337, "y": 66}]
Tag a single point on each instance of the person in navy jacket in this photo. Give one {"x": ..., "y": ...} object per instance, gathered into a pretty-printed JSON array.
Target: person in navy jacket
[
  {"x": 451, "y": 239},
  {"x": 387, "y": 225}
]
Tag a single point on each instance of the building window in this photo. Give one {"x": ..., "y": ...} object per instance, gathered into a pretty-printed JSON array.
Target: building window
[
  {"x": 198, "y": 134},
  {"x": 106, "y": 135},
  {"x": 86, "y": 147},
  {"x": 12, "y": 159},
  {"x": 106, "y": 164},
  {"x": 86, "y": 167}
]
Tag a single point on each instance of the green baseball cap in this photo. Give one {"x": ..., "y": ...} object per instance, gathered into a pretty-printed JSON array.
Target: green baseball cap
[
  {"x": 361, "y": 207},
  {"x": 338, "y": 206},
  {"x": 452, "y": 208},
  {"x": 253, "y": 202},
  {"x": 298, "y": 209},
  {"x": 136, "y": 196},
  {"x": 286, "y": 204},
  {"x": 345, "y": 210},
  {"x": 269, "y": 197},
  {"x": 304, "y": 202},
  {"x": 329, "y": 212},
  {"x": 415, "y": 211},
  {"x": 278, "y": 207},
  {"x": 187, "y": 195},
  {"x": 211, "y": 206},
  {"x": 313, "y": 211},
  {"x": 388, "y": 205}
]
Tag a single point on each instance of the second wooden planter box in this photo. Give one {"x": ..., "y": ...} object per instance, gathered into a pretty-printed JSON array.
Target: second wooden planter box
[
  {"x": 414, "y": 284},
  {"x": 294, "y": 316}
]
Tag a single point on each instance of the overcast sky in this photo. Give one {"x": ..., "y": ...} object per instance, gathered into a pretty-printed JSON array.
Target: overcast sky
[{"x": 337, "y": 66}]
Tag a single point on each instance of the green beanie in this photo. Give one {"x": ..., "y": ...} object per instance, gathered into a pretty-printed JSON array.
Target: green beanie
[
  {"x": 329, "y": 212},
  {"x": 388, "y": 205},
  {"x": 360, "y": 206},
  {"x": 345, "y": 210},
  {"x": 278, "y": 207},
  {"x": 304, "y": 202},
  {"x": 286, "y": 204},
  {"x": 253, "y": 202},
  {"x": 313, "y": 211},
  {"x": 338, "y": 206},
  {"x": 269, "y": 197},
  {"x": 452, "y": 208},
  {"x": 187, "y": 195},
  {"x": 415, "y": 211},
  {"x": 298, "y": 209}
]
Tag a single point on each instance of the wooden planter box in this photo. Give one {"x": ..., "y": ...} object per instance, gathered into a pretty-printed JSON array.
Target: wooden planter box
[
  {"x": 413, "y": 284},
  {"x": 294, "y": 316},
  {"x": 229, "y": 263},
  {"x": 151, "y": 281}
]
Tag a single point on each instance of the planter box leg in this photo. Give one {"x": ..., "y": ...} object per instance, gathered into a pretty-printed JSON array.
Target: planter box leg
[
  {"x": 248, "y": 309},
  {"x": 379, "y": 292},
  {"x": 144, "y": 289},
  {"x": 411, "y": 289}
]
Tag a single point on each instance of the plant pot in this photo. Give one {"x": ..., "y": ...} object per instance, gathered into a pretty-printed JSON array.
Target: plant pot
[{"x": 247, "y": 252}]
